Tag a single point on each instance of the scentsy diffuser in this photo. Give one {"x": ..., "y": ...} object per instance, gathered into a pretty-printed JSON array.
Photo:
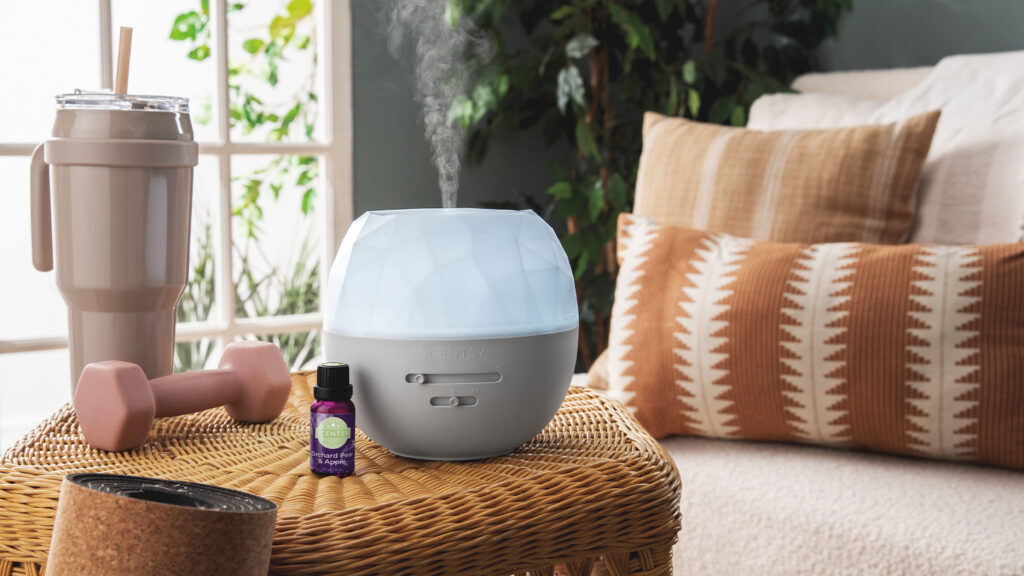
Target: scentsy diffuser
[{"x": 460, "y": 326}]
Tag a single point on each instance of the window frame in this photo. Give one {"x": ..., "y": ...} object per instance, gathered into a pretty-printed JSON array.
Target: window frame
[{"x": 334, "y": 200}]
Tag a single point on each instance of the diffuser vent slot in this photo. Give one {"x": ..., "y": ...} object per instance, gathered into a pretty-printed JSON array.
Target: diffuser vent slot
[
  {"x": 452, "y": 401},
  {"x": 454, "y": 378}
]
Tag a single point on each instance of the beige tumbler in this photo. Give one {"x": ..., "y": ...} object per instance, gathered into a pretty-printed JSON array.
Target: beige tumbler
[{"x": 118, "y": 176}]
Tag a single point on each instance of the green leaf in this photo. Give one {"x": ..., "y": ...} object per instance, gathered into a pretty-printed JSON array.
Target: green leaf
[
  {"x": 722, "y": 109},
  {"x": 617, "y": 191},
  {"x": 186, "y": 26},
  {"x": 581, "y": 265},
  {"x": 738, "y": 117},
  {"x": 585, "y": 140},
  {"x": 461, "y": 111},
  {"x": 252, "y": 45},
  {"x": 580, "y": 45},
  {"x": 308, "y": 201},
  {"x": 290, "y": 116},
  {"x": 563, "y": 12},
  {"x": 664, "y": 8},
  {"x": 501, "y": 84},
  {"x": 690, "y": 71},
  {"x": 299, "y": 9},
  {"x": 595, "y": 201},
  {"x": 280, "y": 25},
  {"x": 625, "y": 21},
  {"x": 452, "y": 12},
  {"x": 647, "y": 42},
  {"x": 561, "y": 190},
  {"x": 570, "y": 86},
  {"x": 693, "y": 102},
  {"x": 567, "y": 208},
  {"x": 205, "y": 7},
  {"x": 484, "y": 98},
  {"x": 638, "y": 34},
  {"x": 200, "y": 53},
  {"x": 672, "y": 105},
  {"x": 572, "y": 244},
  {"x": 755, "y": 90}
]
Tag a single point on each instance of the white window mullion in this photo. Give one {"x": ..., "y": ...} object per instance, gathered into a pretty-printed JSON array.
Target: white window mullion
[
  {"x": 338, "y": 85},
  {"x": 336, "y": 166},
  {"x": 189, "y": 331},
  {"x": 223, "y": 271},
  {"x": 16, "y": 149},
  {"x": 282, "y": 148}
]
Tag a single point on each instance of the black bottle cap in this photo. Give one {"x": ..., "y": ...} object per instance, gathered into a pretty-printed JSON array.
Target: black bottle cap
[{"x": 332, "y": 382}]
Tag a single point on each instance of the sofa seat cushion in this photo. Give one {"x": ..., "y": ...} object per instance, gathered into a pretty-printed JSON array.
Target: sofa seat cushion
[{"x": 761, "y": 508}]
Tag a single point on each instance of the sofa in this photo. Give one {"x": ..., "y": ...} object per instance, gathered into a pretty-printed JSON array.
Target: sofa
[{"x": 764, "y": 508}]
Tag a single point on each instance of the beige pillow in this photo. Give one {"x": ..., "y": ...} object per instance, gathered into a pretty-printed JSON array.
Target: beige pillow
[
  {"x": 908, "y": 349},
  {"x": 841, "y": 185},
  {"x": 972, "y": 184}
]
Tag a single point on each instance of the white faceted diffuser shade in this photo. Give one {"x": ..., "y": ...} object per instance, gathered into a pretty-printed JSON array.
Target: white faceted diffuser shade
[
  {"x": 460, "y": 327},
  {"x": 450, "y": 274}
]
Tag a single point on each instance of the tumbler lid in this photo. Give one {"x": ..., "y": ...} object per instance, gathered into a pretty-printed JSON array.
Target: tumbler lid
[{"x": 109, "y": 101}]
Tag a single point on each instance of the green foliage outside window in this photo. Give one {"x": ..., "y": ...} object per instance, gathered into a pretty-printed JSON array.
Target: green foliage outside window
[
  {"x": 290, "y": 34},
  {"x": 585, "y": 71}
]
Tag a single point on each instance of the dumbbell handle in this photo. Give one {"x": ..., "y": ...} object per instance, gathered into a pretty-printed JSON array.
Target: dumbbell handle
[{"x": 195, "y": 391}]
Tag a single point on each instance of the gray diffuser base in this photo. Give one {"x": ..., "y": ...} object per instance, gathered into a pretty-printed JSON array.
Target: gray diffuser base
[{"x": 456, "y": 399}]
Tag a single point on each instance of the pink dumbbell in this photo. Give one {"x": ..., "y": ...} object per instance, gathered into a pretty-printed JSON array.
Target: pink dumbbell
[{"x": 116, "y": 403}]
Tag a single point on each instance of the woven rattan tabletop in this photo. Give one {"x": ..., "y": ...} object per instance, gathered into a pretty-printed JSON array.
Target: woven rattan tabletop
[{"x": 592, "y": 484}]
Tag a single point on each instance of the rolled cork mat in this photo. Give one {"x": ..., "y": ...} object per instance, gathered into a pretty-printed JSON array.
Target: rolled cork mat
[{"x": 109, "y": 524}]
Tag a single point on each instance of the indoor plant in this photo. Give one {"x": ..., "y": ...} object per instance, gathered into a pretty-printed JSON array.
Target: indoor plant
[{"x": 584, "y": 72}]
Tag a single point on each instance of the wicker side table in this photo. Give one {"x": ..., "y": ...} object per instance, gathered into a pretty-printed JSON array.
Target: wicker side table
[{"x": 592, "y": 485}]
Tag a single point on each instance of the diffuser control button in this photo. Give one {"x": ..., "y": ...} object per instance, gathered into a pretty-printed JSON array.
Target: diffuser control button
[{"x": 452, "y": 401}]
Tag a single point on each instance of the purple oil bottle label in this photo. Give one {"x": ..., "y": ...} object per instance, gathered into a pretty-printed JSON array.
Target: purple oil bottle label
[{"x": 332, "y": 443}]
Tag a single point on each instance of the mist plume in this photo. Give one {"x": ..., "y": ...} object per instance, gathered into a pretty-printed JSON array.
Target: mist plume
[{"x": 441, "y": 51}]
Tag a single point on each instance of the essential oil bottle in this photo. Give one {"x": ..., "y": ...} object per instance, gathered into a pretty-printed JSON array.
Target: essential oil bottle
[{"x": 332, "y": 422}]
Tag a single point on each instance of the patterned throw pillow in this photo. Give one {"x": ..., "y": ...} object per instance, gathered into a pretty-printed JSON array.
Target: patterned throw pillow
[
  {"x": 913, "y": 349},
  {"x": 843, "y": 185}
]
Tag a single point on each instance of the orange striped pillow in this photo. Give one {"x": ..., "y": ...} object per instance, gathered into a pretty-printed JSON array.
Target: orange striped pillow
[
  {"x": 843, "y": 185},
  {"x": 913, "y": 349}
]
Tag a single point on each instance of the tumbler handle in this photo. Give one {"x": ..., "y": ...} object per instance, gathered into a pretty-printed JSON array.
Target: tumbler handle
[{"x": 42, "y": 231}]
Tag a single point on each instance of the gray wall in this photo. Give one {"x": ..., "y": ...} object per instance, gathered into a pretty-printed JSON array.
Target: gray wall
[
  {"x": 391, "y": 158},
  {"x": 896, "y": 33}
]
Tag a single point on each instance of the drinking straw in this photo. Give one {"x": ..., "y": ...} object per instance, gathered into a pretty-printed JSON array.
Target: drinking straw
[{"x": 124, "y": 55}]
